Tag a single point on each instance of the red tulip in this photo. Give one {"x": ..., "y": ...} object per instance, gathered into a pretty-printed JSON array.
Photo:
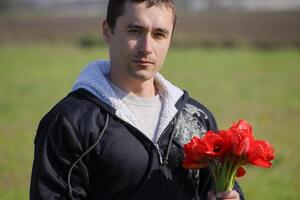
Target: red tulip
[
  {"x": 215, "y": 144},
  {"x": 261, "y": 153},
  {"x": 195, "y": 153},
  {"x": 241, "y": 137},
  {"x": 242, "y": 127}
]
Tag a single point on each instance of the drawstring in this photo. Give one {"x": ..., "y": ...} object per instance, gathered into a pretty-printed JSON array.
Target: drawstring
[
  {"x": 166, "y": 157},
  {"x": 83, "y": 154}
]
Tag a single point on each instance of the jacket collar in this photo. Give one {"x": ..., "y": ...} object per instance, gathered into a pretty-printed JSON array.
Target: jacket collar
[{"x": 94, "y": 79}]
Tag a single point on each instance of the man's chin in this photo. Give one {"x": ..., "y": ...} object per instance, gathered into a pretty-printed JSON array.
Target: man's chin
[{"x": 143, "y": 76}]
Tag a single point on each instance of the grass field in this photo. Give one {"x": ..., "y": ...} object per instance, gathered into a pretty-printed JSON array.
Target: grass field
[{"x": 260, "y": 86}]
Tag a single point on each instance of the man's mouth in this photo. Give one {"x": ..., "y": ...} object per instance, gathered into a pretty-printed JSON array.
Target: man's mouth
[{"x": 143, "y": 61}]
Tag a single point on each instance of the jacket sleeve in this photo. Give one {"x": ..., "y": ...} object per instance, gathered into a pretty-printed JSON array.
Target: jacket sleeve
[
  {"x": 57, "y": 146},
  {"x": 206, "y": 180}
]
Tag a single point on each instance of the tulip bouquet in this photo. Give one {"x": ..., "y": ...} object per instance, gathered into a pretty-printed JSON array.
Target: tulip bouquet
[{"x": 226, "y": 151}]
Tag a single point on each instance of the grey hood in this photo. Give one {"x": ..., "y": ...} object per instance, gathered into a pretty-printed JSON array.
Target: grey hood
[{"x": 94, "y": 78}]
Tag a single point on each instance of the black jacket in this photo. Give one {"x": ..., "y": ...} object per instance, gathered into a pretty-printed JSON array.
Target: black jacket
[{"x": 84, "y": 151}]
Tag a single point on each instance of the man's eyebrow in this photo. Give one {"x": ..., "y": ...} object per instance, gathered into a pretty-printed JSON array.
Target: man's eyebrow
[
  {"x": 162, "y": 30},
  {"x": 135, "y": 26}
]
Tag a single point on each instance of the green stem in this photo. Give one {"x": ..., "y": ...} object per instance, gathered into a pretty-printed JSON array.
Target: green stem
[
  {"x": 225, "y": 174},
  {"x": 232, "y": 178},
  {"x": 233, "y": 172},
  {"x": 228, "y": 175},
  {"x": 222, "y": 178}
]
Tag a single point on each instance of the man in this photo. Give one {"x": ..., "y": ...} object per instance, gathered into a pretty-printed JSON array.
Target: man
[{"x": 119, "y": 133}]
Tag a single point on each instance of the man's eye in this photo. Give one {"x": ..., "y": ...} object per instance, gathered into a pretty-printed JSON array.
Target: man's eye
[
  {"x": 159, "y": 35},
  {"x": 135, "y": 31}
]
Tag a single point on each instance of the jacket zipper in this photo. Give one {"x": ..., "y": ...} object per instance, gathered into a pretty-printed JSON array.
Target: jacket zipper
[
  {"x": 161, "y": 162},
  {"x": 155, "y": 145}
]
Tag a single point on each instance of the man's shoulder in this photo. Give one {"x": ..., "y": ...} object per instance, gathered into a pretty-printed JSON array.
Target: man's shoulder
[
  {"x": 196, "y": 110},
  {"x": 73, "y": 103},
  {"x": 194, "y": 105},
  {"x": 74, "y": 113},
  {"x": 77, "y": 106}
]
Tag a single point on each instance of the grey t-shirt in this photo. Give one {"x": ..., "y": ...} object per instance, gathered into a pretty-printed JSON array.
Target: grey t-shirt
[{"x": 145, "y": 110}]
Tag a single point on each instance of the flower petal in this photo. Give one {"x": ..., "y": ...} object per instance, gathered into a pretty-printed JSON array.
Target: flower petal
[
  {"x": 261, "y": 153},
  {"x": 240, "y": 172}
]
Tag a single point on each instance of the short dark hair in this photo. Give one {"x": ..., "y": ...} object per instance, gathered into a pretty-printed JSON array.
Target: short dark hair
[{"x": 115, "y": 9}]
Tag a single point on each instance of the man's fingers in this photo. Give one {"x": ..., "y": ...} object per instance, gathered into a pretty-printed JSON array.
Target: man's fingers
[{"x": 228, "y": 195}]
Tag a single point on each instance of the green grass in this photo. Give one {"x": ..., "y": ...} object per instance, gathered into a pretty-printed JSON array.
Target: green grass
[{"x": 260, "y": 86}]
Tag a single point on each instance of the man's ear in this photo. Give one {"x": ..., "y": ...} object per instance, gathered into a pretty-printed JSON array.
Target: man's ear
[{"x": 106, "y": 32}]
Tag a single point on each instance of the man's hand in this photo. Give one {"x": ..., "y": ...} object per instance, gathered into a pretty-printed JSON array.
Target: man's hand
[{"x": 223, "y": 195}]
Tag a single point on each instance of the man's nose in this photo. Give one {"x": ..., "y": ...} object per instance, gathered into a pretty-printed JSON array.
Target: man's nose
[{"x": 145, "y": 45}]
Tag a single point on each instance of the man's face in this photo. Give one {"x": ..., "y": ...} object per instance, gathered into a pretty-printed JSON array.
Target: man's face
[{"x": 140, "y": 41}]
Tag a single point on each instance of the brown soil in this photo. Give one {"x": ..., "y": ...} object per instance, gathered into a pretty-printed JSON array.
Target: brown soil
[{"x": 228, "y": 27}]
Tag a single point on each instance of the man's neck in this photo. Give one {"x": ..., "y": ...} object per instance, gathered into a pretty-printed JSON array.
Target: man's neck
[{"x": 144, "y": 89}]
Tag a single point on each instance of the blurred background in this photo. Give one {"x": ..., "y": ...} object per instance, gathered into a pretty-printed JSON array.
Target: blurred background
[{"x": 241, "y": 58}]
